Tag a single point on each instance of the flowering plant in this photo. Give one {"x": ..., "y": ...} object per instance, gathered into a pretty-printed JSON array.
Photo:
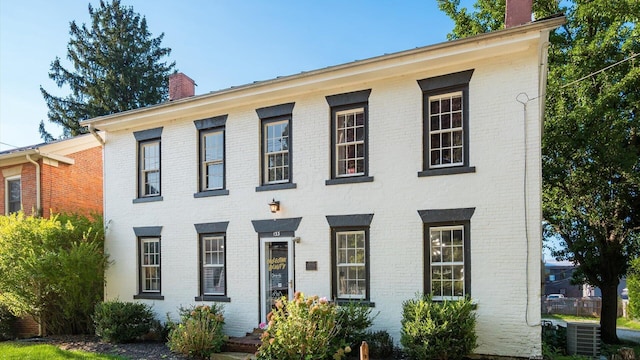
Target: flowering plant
[{"x": 302, "y": 328}]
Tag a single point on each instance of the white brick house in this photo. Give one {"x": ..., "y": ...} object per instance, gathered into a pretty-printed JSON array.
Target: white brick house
[{"x": 412, "y": 172}]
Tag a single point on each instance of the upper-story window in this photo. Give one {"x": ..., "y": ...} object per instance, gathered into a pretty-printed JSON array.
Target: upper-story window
[
  {"x": 211, "y": 169},
  {"x": 13, "y": 194},
  {"x": 446, "y": 124},
  {"x": 150, "y": 168},
  {"x": 349, "y": 137},
  {"x": 276, "y": 151},
  {"x": 148, "y": 165}
]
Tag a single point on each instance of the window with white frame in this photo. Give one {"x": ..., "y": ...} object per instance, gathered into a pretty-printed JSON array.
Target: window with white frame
[
  {"x": 13, "y": 195},
  {"x": 150, "y": 265},
  {"x": 276, "y": 151},
  {"x": 212, "y": 159},
  {"x": 350, "y": 142},
  {"x": 149, "y": 163},
  {"x": 446, "y": 130},
  {"x": 351, "y": 264},
  {"x": 213, "y": 265},
  {"x": 349, "y": 137},
  {"x": 447, "y": 252},
  {"x": 446, "y": 124},
  {"x": 447, "y": 265}
]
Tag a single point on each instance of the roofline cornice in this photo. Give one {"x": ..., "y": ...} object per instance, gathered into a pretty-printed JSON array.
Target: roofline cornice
[{"x": 310, "y": 80}]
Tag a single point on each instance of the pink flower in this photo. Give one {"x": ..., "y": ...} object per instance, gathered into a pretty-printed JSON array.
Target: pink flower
[
  {"x": 323, "y": 300},
  {"x": 263, "y": 326}
]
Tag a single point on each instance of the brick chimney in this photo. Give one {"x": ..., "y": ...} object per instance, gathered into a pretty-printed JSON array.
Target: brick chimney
[
  {"x": 181, "y": 86},
  {"x": 518, "y": 12}
]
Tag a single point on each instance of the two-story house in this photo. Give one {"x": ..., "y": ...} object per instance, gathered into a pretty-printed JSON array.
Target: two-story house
[
  {"x": 61, "y": 176},
  {"x": 375, "y": 180}
]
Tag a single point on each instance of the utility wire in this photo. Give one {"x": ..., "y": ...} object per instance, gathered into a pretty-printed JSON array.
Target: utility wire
[{"x": 599, "y": 71}]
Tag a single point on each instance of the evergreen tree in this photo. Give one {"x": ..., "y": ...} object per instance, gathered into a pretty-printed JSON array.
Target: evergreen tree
[
  {"x": 117, "y": 66},
  {"x": 591, "y": 141}
]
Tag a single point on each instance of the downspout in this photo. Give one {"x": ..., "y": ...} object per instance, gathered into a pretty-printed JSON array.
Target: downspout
[
  {"x": 38, "y": 199},
  {"x": 93, "y": 132}
]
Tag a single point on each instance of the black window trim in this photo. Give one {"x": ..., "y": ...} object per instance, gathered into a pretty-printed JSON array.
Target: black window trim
[
  {"x": 212, "y": 229},
  {"x": 203, "y": 126},
  {"x": 342, "y": 102},
  {"x": 352, "y": 222},
  {"x": 442, "y": 218},
  {"x": 437, "y": 85},
  {"x": 268, "y": 115},
  {"x": 143, "y": 137},
  {"x": 142, "y": 294}
]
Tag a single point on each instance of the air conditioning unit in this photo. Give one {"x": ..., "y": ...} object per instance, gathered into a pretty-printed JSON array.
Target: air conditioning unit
[{"x": 583, "y": 339}]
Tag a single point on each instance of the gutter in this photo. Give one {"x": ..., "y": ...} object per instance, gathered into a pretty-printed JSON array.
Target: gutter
[
  {"x": 38, "y": 199},
  {"x": 93, "y": 132}
]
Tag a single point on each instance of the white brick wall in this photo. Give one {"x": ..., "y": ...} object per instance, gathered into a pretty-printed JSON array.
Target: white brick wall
[{"x": 500, "y": 251}]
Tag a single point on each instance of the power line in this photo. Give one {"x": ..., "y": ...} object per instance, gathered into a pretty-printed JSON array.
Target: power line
[{"x": 599, "y": 71}]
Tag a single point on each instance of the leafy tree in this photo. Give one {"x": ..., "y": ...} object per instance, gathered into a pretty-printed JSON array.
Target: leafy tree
[
  {"x": 52, "y": 269},
  {"x": 117, "y": 66},
  {"x": 591, "y": 142}
]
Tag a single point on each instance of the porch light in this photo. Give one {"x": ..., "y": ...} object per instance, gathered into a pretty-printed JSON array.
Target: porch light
[{"x": 274, "y": 206}]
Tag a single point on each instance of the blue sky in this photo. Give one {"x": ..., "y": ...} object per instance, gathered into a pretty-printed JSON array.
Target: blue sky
[{"x": 218, "y": 43}]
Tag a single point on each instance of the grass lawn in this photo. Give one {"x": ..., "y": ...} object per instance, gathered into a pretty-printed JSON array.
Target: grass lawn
[
  {"x": 17, "y": 351},
  {"x": 621, "y": 322}
]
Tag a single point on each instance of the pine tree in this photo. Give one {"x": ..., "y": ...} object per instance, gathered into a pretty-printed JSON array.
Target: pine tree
[
  {"x": 117, "y": 66},
  {"x": 591, "y": 139}
]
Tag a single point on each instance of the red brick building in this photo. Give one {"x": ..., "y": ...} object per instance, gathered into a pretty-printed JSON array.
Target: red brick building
[{"x": 63, "y": 176}]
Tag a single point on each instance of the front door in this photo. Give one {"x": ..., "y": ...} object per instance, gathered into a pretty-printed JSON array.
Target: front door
[{"x": 276, "y": 272}]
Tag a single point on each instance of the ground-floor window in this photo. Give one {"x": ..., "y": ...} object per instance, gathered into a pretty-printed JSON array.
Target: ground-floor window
[
  {"x": 212, "y": 273},
  {"x": 150, "y": 265}
]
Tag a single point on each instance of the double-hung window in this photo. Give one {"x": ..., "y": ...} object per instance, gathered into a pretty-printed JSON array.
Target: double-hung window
[
  {"x": 349, "y": 137},
  {"x": 148, "y": 165},
  {"x": 351, "y": 265},
  {"x": 213, "y": 265},
  {"x": 149, "y": 266},
  {"x": 211, "y": 169},
  {"x": 350, "y": 257},
  {"x": 13, "y": 194},
  {"x": 447, "y": 252},
  {"x": 212, "y": 261},
  {"x": 150, "y": 168},
  {"x": 276, "y": 150},
  {"x": 447, "y": 262},
  {"x": 446, "y": 124}
]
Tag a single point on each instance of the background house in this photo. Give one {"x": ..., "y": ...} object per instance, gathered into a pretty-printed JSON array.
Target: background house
[
  {"x": 388, "y": 177},
  {"x": 62, "y": 176}
]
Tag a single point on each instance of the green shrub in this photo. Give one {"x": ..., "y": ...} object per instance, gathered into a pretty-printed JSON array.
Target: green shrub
[
  {"x": 438, "y": 330},
  {"x": 53, "y": 269},
  {"x": 120, "y": 322},
  {"x": 199, "y": 334},
  {"x": 633, "y": 286},
  {"x": 7, "y": 320},
  {"x": 354, "y": 319},
  {"x": 302, "y": 328},
  {"x": 380, "y": 344},
  {"x": 554, "y": 340}
]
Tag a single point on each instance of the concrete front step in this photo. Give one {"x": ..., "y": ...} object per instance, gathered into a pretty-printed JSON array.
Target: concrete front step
[{"x": 232, "y": 356}]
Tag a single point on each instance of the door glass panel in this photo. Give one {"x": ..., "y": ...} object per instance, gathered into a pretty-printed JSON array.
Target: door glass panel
[{"x": 276, "y": 272}]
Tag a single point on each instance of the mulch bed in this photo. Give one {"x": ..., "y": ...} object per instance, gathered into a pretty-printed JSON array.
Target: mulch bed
[{"x": 146, "y": 350}]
